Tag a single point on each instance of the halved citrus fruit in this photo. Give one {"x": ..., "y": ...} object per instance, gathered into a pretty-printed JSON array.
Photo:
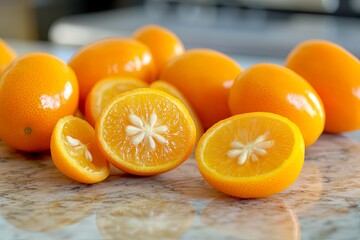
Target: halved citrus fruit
[
  {"x": 251, "y": 155},
  {"x": 104, "y": 91},
  {"x": 75, "y": 152},
  {"x": 169, "y": 88},
  {"x": 145, "y": 132}
]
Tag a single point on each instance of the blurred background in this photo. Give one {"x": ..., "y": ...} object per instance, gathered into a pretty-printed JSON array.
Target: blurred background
[{"x": 251, "y": 27}]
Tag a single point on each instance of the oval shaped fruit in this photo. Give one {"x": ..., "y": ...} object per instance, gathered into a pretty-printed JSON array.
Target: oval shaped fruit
[
  {"x": 7, "y": 54},
  {"x": 204, "y": 77},
  {"x": 35, "y": 92},
  {"x": 251, "y": 155},
  {"x": 113, "y": 57},
  {"x": 335, "y": 74},
  {"x": 276, "y": 89},
  {"x": 163, "y": 43}
]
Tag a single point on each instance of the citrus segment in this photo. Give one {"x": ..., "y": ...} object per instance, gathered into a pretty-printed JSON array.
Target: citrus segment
[
  {"x": 104, "y": 91},
  {"x": 7, "y": 54},
  {"x": 36, "y": 90},
  {"x": 205, "y": 77},
  {"x": 145, "y": 131},
  {"x": 163, "y": 43},
  {"x": 272, "y": 88},
  {"x": 113, "y": 57},
  {"x": 75, "y": 152},
  {"x": 334, "y": 73},
  {"x": 251, "y": 155},
  {"x": 169, "y": 88}
]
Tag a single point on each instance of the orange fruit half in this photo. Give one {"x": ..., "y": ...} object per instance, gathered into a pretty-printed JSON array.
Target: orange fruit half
[
  {"x": 251, "y": 155},
  {"x": 169, "y": 88},
  {"x": 145, "y": 132},
  {"x": 75, "y": 152},
  {"x": 104, "y": 91}
]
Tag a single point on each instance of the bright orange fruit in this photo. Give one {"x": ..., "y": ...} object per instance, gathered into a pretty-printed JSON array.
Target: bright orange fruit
[
  {"x": 169, "y": 88},
  {"x": 204, "y": 77},
  {"x": 75, "y": 152},
  {"x": 113, "y": 57},
  {"x": 7, "y": 54},
  {"x": 104, "y": 91},
  {"x": 163, "y": 43},
  {"x": 251, "y": 155},
  {"x": 272, "y": 88},
  {"x": 145, "y": 132},
  {"x": 36, "y": 90},
  {"x": 334, "y": 73}
]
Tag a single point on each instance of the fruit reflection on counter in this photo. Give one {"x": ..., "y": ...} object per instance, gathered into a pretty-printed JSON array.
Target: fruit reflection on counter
[{"x": 151, "y": 104}]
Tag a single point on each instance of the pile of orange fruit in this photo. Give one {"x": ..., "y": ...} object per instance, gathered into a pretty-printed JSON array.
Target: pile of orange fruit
[{"x": 143, "y": 103}]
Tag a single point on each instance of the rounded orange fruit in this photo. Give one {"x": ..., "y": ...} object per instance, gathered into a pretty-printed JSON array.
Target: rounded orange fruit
[
  {"x": 204, "y": 77},
  {"x": 273, "y": 88},
  {"x": 113, "y": 57},
  {"x": 7, "y": 54},
  {"x": 251, "y": 155},
  {"x": 36, "y": 90},
  {"x": 334, "y": 73},
  {"x": 75, "y": 152},
  {"x": 106, "y": 89},
  {"x": 169, "y": 88},
  {"x": 163, "y": 43},
  {"x": 145, "y": 132}
]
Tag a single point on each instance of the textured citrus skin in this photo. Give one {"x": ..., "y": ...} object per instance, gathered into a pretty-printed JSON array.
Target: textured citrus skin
[
  {"x": 163, "y": 43},
  {"x": 118, "y": 147},
  {"x": 35, "y": 92},
  {"x": 79, "y": 170},
  {"x": 103, "y": 91},
  {"x": 204, "y": 77},
  {"x": 273, "y": 88},
  {"x": 7, "y": 54},
  {"x": 114, "y": 57},
  {"x": 255, "y": 186},
  {"x": 334, "y": 73}
]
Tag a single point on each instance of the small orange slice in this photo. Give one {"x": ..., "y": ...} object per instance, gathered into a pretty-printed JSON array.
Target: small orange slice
[
  {"x": 251, "y": 155},
  {"x": 145, "y": 132},
  {"x": 169, "y": 88},
  {"x": 104, "y": 91},
  {"x": 75, "y": 152}
]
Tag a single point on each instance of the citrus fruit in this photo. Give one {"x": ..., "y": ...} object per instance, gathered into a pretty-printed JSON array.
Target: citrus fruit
[
  {"x": 113, "y": 57},
  {"x": 75, "y": 152},
  {"x": 163, "y": 43},
  {"x": 169, "y": 88},
  {"x": 204, "y": 77},
  {"x": 334, "y": 73},
  {"x": 145, "y": 132},
  {"x": 272, "y": 88},
  {"x": 7, "y": 54},
  {"x": 106, "y": 89},
  {"x": 251, "y": 155},
  {"x": 36, "y": 90}
]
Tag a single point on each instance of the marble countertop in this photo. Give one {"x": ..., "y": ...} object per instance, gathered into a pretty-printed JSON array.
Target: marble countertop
[{"x": 38, "y": 202}]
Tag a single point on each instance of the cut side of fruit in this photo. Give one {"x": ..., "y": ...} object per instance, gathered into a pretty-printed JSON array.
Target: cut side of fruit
[
  {"x": 104, "y": 91},
  {"x": 145, "y": 132},
  {"x": 251, "y": 155},
  {"x": 169, "y": 88},
  {"x": 75, "y": 152}
]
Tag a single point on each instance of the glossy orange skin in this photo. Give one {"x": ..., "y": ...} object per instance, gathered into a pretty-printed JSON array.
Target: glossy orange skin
[
  {"x": 35, "y": 92},
  {"x": 163, "y": 43},
  {"x": 111, "y": 57},
  {"x": 335, "y": 74},
  {"x": 204, "y": 77},
  {"x": 276, "y": 89},
  {"x": 7, "y": 54}
]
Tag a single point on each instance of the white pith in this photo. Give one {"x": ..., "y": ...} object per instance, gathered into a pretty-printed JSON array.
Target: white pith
[
  {"x": 79, "y": 147},
  {"x": 242, "y": 151},
  {"x": 140, "y": 130}
]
